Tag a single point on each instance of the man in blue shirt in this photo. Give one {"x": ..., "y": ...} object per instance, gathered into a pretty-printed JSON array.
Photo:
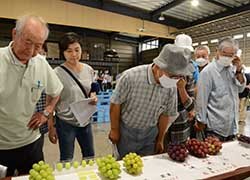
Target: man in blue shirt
[{"x": 218, "y": 88}]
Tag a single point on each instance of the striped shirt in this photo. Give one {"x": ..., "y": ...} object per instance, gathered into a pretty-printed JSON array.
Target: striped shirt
[
  {"x": 142, "y": 99},
  {"x": 180, "y": 129}
]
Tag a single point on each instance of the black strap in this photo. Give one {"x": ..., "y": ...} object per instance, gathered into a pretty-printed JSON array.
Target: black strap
[{"x": 76, "y": 80}]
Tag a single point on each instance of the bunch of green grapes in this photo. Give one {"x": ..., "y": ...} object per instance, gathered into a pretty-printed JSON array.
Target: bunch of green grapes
[
  {"x": 108, "y": 167},
  {"x": 41, "y": 170},
  {"x": 133, "y": 163}
]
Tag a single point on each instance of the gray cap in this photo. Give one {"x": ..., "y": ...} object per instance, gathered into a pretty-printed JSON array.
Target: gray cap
[{"x": 176, "y": 60}]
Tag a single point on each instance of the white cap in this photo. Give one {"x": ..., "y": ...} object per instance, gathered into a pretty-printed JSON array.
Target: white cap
[{"x": 185, "y": 41}]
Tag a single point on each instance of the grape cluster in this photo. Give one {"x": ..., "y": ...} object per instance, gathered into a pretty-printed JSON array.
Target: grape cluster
[
  {"x": 197, "y": 148},
  {"x": 41, "y": 170},
  {"x": 243, "y": 138},
  {"x": 177, "y": 152},
  {"x": 133, "y": 163},
  {"x": 214, "y": 145},
  {"x": 108, "y": 167}
]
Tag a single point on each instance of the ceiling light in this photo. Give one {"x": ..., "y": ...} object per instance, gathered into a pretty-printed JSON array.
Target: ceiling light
[
  {"x": 195, "y": 3},
  {"x": 161, "y": 18}
]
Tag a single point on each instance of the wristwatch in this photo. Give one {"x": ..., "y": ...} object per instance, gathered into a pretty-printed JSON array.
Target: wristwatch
[{"x": 46, "y": 113}]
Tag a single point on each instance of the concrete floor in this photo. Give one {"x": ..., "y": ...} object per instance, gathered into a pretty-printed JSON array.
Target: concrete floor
[{"x": 102, "y": 145}]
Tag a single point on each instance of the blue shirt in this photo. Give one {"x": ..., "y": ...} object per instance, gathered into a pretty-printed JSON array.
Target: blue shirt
[{"x": 217, "y": 99}]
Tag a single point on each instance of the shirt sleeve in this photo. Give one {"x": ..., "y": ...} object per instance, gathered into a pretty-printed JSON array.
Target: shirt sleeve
[
  {"x": 121, "y": 90},
  {"x": 190, "y": 87},
  {"x": 240, "y": 86},
  {"x": 54, "y": 85},
  {"x": 204, "y": 89},
  {"x": 171, "y": 105}
]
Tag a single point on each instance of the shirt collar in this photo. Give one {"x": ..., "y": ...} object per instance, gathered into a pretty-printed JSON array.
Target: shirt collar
[
  {"x": 151, "y": 78},
  {"x": 15, "y": 60}
]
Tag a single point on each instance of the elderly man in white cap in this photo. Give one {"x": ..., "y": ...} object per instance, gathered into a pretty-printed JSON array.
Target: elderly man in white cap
[
  {"x": 185, "y": 41},
  {"x": 144, "y": 100}
]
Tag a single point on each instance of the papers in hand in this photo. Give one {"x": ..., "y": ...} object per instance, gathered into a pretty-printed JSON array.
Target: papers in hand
[
  {"x": 82, "y": 110},
  {"x": 115, "y": 151}
]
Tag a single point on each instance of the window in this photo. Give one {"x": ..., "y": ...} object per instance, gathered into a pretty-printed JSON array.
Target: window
[
  {"x": 150, "y": 45},
  {"x": 238, "y": 36},
  {"x": 204, "y": 42},
  {"x": 214, "y": 41}
]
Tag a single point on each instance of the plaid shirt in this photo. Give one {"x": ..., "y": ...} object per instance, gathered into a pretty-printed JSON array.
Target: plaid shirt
[
  {"x": 180, "y": 129},
  {"x": 142, "y": 99},
  {"x": 39, "y": 108}
]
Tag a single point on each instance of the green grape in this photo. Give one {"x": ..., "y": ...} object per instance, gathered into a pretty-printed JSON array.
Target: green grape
[
  {"x": 67, "y": 165},
  {"x": 59, "y": 166},
  {"x": 91, "y": 162},
  {"x": 84, "y": 163},
  {"x": 36, "y": 167},
  {"x": 41, "y": 163},
  {"x": 75, "y": 164}
]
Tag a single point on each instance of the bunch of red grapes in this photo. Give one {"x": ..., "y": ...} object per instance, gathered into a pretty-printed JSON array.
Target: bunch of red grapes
[
  {"x": 214, "y": 145},
  {"x": 177, "y": 152},
  {"x": 197, "y": 148}
]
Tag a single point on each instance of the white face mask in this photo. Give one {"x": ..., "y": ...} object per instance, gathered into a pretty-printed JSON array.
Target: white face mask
[
  {"x": 201, "y": 62},
  {"x": 167, "y": 82},
  {"x": 225, "y": 61}
]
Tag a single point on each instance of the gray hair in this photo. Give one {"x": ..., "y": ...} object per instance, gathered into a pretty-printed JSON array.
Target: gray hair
[
  {"x": 21, "y": 22},
  {"x": 202, "y": 47},
  {"x": 228, "y": 42}
]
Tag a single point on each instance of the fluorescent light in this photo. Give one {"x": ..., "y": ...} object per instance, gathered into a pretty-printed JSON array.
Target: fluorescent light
[
  {"x": 161, "y": 18},
  {"x": 204, "y": 42},
  {"x": 195, "y": 44},
  {"x": 238, "y": 36},
  {"x": 195, "y": 3},
  {"x": 248, "y": 34},
  {"x": 214, "y": 41}
]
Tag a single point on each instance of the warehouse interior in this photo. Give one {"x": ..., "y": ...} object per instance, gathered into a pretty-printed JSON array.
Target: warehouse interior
[{"x": 136, "y": 30}]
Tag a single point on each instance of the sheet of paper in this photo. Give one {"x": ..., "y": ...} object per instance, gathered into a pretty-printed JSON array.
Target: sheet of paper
[{"x": 82, "y": 110}]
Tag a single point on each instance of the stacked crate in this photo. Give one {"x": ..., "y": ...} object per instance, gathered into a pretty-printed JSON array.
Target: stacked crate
[{"x": 102, "y": 114}]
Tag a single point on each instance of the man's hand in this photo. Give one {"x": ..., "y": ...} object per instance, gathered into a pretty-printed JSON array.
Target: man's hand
[
  {"x": 114, "y": 135},
  {"x": 53, "y": 135},
  {"x": 181, "y": 84},
  {"x": 237, "y": 62},
  {"x": 159, "y": 147},
  {"x": 191, "y": 115},
  {"x": 37, "y": 120},
  {"x": 199, "y": 126}
]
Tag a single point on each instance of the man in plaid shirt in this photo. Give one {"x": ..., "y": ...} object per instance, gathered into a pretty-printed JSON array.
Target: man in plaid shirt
[{"x": 145, "y": 101}]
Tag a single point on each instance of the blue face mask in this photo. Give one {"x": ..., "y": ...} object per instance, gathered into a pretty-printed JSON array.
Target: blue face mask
[{"x": 167, "y": 82}]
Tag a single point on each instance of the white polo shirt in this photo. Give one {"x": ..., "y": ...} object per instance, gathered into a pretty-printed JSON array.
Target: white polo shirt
[{"x": 20, "y": 88}]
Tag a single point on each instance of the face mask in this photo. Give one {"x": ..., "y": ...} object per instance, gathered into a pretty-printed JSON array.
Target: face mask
[
  {"x": 201, "y": 62},
  {"x": 225, "y": 61},
  {"x": 167, "y": 82}
]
